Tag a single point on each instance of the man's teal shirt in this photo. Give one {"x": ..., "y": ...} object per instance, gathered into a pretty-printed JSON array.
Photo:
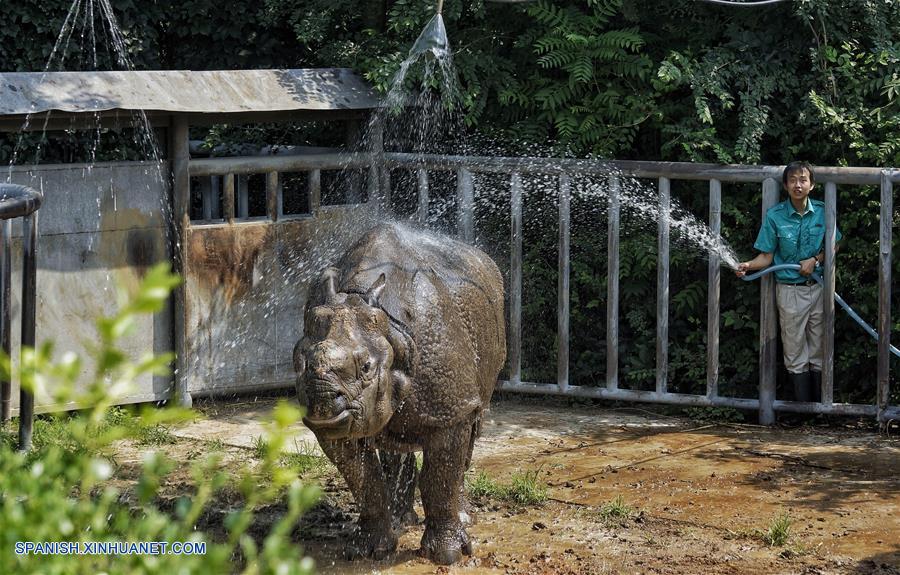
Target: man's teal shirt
[{"x": 792, "y": 237}]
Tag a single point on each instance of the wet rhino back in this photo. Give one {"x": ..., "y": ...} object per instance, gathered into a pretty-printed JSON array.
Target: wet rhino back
[{"x": 448, "y": 297}]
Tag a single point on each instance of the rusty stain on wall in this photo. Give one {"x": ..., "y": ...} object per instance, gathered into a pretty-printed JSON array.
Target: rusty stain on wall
[{"x": 224, "y": 257}]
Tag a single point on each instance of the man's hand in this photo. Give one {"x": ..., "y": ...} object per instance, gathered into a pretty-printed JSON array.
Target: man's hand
[
  {"x": 742, "y": 269},
  {"x": 807, "y": 266}
]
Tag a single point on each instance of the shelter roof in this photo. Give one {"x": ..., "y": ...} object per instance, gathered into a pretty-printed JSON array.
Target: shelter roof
[{"x": 185, "y": 91}]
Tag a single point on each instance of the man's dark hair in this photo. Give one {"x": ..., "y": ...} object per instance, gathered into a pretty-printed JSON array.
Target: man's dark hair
[{"x": 796, "y": 167}]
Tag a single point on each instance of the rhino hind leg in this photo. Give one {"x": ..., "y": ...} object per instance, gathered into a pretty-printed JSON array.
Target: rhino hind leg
[
  {"x": 401, "y": 476},
  {"x": 464, "y": 516},
  {"x": 374, "y": 535},
  {"x": 445, "y": 452}
]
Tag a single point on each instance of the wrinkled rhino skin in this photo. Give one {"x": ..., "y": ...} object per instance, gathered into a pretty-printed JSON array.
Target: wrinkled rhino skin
[{"x": 403, "y": 342}]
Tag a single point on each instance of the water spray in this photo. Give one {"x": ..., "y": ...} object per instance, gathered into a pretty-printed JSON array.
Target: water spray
[{"x": 837, "y": 298}]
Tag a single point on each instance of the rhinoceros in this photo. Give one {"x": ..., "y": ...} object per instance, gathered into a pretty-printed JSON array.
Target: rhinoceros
[{"x": 403, "y": 343}]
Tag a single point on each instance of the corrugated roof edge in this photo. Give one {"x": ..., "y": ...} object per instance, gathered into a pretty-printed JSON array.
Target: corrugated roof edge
[{"x": 187, "y": 91}]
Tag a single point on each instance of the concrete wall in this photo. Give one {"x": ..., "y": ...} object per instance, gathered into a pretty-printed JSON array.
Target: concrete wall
[{"x": 100, "y": 228}]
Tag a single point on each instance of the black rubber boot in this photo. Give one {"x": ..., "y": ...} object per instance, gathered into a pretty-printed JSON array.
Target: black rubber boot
[
  {"x": 802, "y": 383},
  {"x": 816, "y": 385}
]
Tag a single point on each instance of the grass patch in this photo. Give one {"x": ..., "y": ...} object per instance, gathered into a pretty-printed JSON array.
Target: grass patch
[
  {"x": 615, "y": 510},
  {"x": 57, "y": 429},
  {"x": 260, "y": 447},
  {"x": 482, "y": 486},
  {"x": 776, "y": 535},
  {"x": 305, "y": 459},
  {"x": 523, "y": 489},
  {"x": 157, "y": 434},
  {"x": 779, "y": 531},
  {"x": 143, "y": 430}
]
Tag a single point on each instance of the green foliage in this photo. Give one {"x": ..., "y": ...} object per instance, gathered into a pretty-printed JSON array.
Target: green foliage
[
  {"x": 588, "y": 89},
  {"x": 762, "y": 92},
  {"x": 59, "y": 491}
]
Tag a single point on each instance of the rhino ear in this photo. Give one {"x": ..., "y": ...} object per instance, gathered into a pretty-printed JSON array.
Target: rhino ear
[{"x": 374, "y": 292}]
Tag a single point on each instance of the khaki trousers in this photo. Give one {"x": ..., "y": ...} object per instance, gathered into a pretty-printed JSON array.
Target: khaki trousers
[{"x": 801, "y": 315}]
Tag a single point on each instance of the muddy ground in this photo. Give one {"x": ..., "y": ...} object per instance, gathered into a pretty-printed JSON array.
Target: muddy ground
[{"x": 692, "y": 497}]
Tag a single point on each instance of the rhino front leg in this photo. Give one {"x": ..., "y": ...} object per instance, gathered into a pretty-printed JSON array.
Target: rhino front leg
[
  {"x": 358, "y": 463},
  {"x": 401, "y": 477},
  {"x": 445, "y": 539}
]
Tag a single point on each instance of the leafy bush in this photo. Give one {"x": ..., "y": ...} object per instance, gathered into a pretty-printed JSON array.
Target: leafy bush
[{"x": 59, "y": 491}]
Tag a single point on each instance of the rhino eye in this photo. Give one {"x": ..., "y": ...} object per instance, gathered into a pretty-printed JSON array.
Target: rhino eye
[{"x": 367, "y": 366}]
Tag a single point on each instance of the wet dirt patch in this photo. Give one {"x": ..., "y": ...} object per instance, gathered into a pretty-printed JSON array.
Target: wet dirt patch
[{"x": 691, "y": 498}]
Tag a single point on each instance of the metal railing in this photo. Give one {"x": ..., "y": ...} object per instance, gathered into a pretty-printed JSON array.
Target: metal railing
[
  {"x": 272, "y": 167},
  {"x": 18, "y": 201},
  {"x": 379, "y": 190},
  {"x": 664, "y": 173}
]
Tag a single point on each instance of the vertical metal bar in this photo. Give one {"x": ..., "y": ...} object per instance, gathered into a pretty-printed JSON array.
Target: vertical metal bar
[
  {"x": 828, "y": 296},
  {"x": 216, "y": 206},
  {"x": 515, "y": 281},
  {"x": 373, "y": 184},
  {"x": 612, "y": 287},
  {"x": 205, "y": 185},
  {"x": 243, "y": 199},
  {"x": 279, "y": 207},
  {"x": 714, "y": 292},
  {"x": 5, "y": 339},
  {"x": 272, "y": 196},
  {"x": 384, "y": 191},
  {"x": 465, "y": 190},
  {"x": 768, "y": 329},
  {"x": 662, "y": 288},
  {"x": 181, "y": 190},
  {"x": 315, "y": 191},
  {"x": 424, "y": 199},
  {"x": 562, "y": 300},
  {"x": 29, "y": 299},
  {"x": 884, "y": 295},
  {"x": 354, "y": 177},
  {"x": 379, "y": 185},
  {"x": 228, "y": 197}
]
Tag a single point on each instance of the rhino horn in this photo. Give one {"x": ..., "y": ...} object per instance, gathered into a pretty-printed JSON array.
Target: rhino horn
[
  {"x": 374, "y": 292},
  {"x": 330, "y": 279}
]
